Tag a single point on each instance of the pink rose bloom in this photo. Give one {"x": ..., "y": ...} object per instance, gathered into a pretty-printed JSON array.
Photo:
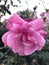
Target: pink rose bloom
[{"x": 24, "y": 37}]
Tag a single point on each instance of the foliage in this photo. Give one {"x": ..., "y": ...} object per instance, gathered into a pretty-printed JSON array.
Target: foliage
[
  {"x": 27, "y": 13},
  {"x": 5, "y": 7}
]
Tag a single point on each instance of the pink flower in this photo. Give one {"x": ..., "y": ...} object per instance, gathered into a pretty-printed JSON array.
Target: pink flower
[
  {"x": 42, "y": 14},
  {"x": 24, "y": 37}
]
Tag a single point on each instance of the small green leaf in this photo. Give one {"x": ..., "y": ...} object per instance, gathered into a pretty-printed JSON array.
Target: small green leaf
[{"x": 11, "y": 2}]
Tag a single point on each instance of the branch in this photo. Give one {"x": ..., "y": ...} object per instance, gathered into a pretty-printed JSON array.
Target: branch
[{"x": 13, "y": 4}]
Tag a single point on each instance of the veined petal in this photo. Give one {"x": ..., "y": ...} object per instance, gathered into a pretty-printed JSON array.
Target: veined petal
[
  {"x": 43, "y": 33},
  {"x": 11, "y": 40},
  {"x": 29, "y": 49},
  {"x": 16, "y": 19},
  {"x": 17, "y": 47},
  {"x": 4, "y": 37},
  {"x": 37, "y": 24},
  {"x": 8, "y": 25},
  {"x": 14, "y": 42},
  {"x": 39, "y": 39}
]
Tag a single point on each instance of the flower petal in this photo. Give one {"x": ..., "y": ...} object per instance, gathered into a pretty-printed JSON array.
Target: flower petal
[
  {"x": 37, "y": 24},
  {"x": 13, "y": 41},
  {"x": 29, "y": 49},
  {"x": 16, "y": 19},
  {"x": 39, "y": 39},
  {"x": 8, "y": 25},
  {"x": 16, "y": 47},
  {"x": 4, "y": 37},
  {"x": 43, "y": 33}
]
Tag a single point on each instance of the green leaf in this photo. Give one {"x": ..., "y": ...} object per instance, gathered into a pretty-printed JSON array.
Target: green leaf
[{"x": 11, "y": 2}]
